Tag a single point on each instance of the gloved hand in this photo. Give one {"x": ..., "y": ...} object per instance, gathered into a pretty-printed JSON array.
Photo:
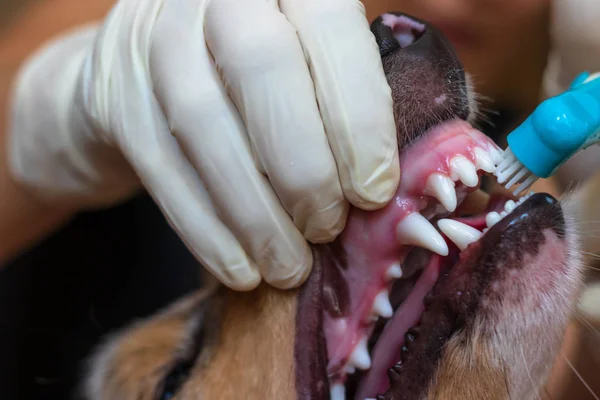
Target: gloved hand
[
  {"x": 249, "y": 123},
  {"x": 575, "y": 48}
]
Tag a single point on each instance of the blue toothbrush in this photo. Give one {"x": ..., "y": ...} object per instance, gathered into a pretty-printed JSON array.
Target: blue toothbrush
[{"x": 557, "y": 129}]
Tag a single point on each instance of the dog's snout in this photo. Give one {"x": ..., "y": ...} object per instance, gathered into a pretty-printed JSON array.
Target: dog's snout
[{"x": 424, "y": 72}]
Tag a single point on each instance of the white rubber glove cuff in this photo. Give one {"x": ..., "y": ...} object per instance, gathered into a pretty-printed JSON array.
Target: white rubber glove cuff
[{"x": 52, "y": 149}]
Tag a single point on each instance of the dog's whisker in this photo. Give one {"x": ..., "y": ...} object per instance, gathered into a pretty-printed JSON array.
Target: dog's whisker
[
  {"x": 581, "y": 379},
  {"x": 537, "y": 396}
]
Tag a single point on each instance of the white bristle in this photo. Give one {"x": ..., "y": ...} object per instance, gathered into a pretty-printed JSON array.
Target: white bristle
[
  {"x": 512, "y": 171},
  {"x": 518, "y": 176},
  {"x": 526, "y": 184}
]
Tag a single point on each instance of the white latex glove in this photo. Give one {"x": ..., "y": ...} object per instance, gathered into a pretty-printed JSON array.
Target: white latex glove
[
  {"x": 575, "y": 48},
  {"x": 249, "y": 122}
]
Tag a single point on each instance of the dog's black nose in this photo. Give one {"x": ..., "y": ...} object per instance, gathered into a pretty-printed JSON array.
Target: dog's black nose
[{"x": 401, "y": 32}]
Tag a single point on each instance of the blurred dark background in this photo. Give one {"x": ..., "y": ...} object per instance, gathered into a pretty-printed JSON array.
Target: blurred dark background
[{"x": 95, "y": 275}]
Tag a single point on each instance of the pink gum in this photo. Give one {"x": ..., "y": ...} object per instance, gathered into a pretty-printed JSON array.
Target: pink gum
[{"x": 370, "y": 239}]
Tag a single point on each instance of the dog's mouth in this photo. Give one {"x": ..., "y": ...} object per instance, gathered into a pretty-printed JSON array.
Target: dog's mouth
[
  {"x": 379, "y": 273},
  {"x": 402, "y": 281},
  {"x": 395, "y": 287}
]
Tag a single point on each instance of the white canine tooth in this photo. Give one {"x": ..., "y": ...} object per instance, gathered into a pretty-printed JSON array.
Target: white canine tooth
[
  {"x": 393, "y": 272},
  {"x": 463, "y": 169},
  {"x": 382, "y": 305},
  {"x": 338, "y": 392},
  {"x": 442, "y": 188},
  {"x": 360, "y": 356},
  {"x": 415, "y": 230},
  {"x": 492, "y": 219},
  {"x": 461, "y": 234},
  {"x": 484, "y": 161},
  {"x": 510, "y": 205}
]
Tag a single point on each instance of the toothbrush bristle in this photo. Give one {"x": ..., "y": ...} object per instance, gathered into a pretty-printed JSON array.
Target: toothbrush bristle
[{"x": 512, "y": 171}]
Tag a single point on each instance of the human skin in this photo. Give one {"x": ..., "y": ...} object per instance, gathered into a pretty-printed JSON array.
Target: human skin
[{"x": 24, "y": 219}]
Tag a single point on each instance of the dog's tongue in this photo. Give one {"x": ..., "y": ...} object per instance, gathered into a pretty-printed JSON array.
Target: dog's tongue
[{"x": 438, "y": 171}]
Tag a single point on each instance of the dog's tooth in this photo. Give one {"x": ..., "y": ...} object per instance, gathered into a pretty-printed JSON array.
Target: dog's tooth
[
  {"x": 415, "y": 230},
  {"x": 510, "y": 205},
  {"x": 461, "y": 234},
  {"x": 382, "y": 306},
  {"x": 484, "y": 160},
  {"x": 442, "y": 188},
  {"x": 349, "y": 369},
  {"x": 492, "y": 219},
  {"x": 463, "y": 170},
  {"x": 393, "y": 272},
  {"x": 497, "y": 155},
  {"x": 338, "y": 392},
  {"x": 360, "y": 356}
]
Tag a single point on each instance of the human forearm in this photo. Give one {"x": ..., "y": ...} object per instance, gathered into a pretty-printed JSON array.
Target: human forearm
[{"x": 23, "y": 218}]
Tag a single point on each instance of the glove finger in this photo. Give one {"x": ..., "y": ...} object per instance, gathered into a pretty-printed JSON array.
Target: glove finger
[
  {"x": 210, "y": 131},
  {"x": 263, "y": 66},
  {"x": 354, "y": 96},
  {"x": 175, "y": 187}
]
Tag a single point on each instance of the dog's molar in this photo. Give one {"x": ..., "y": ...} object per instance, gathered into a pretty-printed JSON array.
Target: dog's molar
[
  {"x": 463, "y": 170},
  {"x": 349, "y": 369},
  {"x": 442, "y": 188},
  {"x": 416, "y": 230},
  {"x": 492, "y": 219},
  {"x": 484, "y": 161},
  {"x": 393, "y": 272},
  {"x": 382, "y": 306},
  {"x": 338, "y": 392},
  {"x": 510, "y": 206},
  {"x": 360, "y": 355},
  {"x": 461, "y": 234}
]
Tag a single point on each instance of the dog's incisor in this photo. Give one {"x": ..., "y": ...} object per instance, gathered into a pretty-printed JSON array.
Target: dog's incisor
[{"x": 392, "y": 309}]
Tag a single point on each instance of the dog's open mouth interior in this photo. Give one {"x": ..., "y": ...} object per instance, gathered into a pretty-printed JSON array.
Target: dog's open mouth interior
[{"x": 401, "y": 280}]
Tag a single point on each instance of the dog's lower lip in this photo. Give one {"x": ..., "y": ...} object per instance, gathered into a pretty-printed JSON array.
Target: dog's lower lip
[{"x": 516, "y": 215}]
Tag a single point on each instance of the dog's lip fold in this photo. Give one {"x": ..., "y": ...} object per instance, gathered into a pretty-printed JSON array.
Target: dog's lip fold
[{"x": 310, "y": 352}]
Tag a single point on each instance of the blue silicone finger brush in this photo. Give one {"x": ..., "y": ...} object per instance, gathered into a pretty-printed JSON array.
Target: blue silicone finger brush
[{"x": 558, "y": 128}]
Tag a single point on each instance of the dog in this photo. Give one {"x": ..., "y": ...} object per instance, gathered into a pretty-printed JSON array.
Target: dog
[{"x": 394, "y": 308}]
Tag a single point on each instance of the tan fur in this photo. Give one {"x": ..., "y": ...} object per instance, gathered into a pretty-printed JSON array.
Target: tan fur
[
  {"x": 468, "y": 375},
  {"x": 258, "y": 364},
  {"x": 131, "y": 364},
  {"x": 252, "y": 352}
]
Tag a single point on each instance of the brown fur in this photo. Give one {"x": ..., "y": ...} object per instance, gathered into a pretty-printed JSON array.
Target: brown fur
[
  {"x": 267, "y": 318},
  {"x": 133, "y": 364},
  {"x": 468, "y": 376}
]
